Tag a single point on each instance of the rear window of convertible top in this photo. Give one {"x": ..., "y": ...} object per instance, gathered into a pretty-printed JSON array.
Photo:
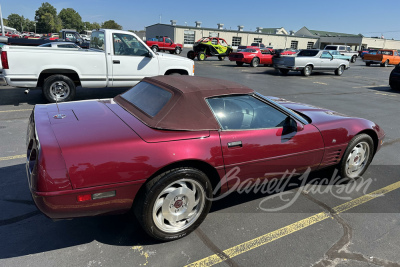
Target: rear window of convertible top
[{"x": 147, "y": 97}]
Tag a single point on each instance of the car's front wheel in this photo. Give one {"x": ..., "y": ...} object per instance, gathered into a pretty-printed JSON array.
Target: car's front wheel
[
  {"x": 357, "y": 157},
  {"x": 339, "y": 71},
  {"x": 174, "y": 203},
  {"x": 178, "y": 50},
  {"x": 353, "y": 59}
]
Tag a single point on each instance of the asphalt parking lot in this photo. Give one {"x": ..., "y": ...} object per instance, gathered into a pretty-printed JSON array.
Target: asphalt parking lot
[{"x": 326, "y": 225}]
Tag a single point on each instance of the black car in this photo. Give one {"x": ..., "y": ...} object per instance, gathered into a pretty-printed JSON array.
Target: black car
[{"x": 394, "y": 78}]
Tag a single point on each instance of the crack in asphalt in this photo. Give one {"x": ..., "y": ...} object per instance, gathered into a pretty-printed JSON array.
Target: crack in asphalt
[
  {"x": 214, "y": 248},
  {"x": 339, "y": 251}
]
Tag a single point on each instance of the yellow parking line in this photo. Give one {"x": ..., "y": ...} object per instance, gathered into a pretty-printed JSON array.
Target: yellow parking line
[
  {"x": 321, "y": 83},
  {"x": 15, "y": 110},
  {"x": 386, "y": 94},
  {"x": 13, "y": 157},
  {"x": 287, "y": 230}
]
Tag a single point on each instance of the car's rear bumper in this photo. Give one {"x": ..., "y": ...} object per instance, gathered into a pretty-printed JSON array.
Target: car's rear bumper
[{"x": 65, "y": 204}]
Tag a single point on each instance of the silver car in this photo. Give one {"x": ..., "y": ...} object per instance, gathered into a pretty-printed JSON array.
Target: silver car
[{"x": 310, "y": 60}]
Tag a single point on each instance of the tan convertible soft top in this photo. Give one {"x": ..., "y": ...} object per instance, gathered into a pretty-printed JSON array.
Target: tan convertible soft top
[{"x": 187, "y": 108}]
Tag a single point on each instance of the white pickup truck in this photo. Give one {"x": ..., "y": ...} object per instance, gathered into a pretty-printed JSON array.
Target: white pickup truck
[
  {"x": 344, "y": 50},
  {"x": 115, "y": 59}
]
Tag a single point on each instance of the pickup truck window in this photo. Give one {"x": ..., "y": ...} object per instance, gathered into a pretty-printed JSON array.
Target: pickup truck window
[
  {"x": 168, "y": 41},
  {"x": 128, "y": 45},
  {"x": 342, "y": 48},
  {"x": 97, "y": 40},
  {"x": 330, "y": 47}
]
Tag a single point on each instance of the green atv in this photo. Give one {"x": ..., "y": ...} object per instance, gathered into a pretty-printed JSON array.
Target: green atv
[{"x": 208, "y": 47}]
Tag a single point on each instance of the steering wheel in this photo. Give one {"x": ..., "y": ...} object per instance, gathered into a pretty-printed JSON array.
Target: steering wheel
[{"x": 121, "y": 49}]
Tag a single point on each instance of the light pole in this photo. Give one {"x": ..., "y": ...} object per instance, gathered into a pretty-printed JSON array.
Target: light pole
[{"x": 35, "y": 26}]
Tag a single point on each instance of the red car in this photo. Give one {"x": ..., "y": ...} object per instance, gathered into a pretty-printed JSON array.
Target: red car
[
  {"x": 252, "y": 56},
  {"x": 163, "y": 147},
  {"x": 164, "y": 44}
]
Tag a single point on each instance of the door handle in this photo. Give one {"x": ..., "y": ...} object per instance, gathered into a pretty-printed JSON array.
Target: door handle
[
  {"x": 116, "y": 61},
  {"x": 235, "y": 144}
]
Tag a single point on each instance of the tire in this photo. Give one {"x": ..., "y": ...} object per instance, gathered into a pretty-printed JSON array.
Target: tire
[
  {"x": 191, "y": 54},
  {"x": 339, "y": 71},
  {"x": 385, "y": 64},
  {"x": 239, "y": 63},
  {"x": 221, "y": 58},
  {"x": 367, "y": 63},
  {"x": 307, "y": 71},
  {"x": 359, "y": 151},
  {"x": 155, "y": 48},
  {"x": 353, "y": 59},
  {"x": 169, "y": 208},
  {"x": 201, "y": 56},
  {"x": 178, "y": 50},
  {"x": 394, "y": 86},
  {"x": 60, "y": 84},
  {"x": 255, "y": 62},
  {"x": 284, "y": 71}
]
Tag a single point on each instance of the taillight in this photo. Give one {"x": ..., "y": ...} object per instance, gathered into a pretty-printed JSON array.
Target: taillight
[{"x": 4, "y": 60}]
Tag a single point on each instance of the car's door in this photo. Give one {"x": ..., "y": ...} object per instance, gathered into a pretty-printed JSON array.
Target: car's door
[
  {"x": 262, "y": 140},
  {"x": 327, "y": 62},
  {"x": 396, "y": 58},
  {"x": 131, "y": 61},
  {"x": 265, "y": 57}
]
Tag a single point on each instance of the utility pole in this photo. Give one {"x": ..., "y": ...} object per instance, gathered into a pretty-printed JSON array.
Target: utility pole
[{"x": 1, "y": 21}]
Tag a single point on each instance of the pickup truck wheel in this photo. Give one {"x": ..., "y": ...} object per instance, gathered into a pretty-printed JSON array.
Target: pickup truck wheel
[
  {"x": 307, "y": 71},
  {"x": 60, "y": 88},
  {"x": 385, "y": 64},
  {"x": 284, "y": 71},
  {"x": 239, "y": 63},
  {"x": 154, "y": 48},
  {"x": 353, "y": 59},
  {"x": 221, "y": 58},
  {"x": 339, "y": 71},
  {"x": 191, "y": 54},
  {"x": 178, "y": 50},
  {"x": 201, "y": 56},
  {"x": 174, "y": 203},
  {"x": 254, "y": 62}
]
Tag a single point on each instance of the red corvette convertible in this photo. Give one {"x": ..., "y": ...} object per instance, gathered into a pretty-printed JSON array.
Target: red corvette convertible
[
  {"x": 252, "y": 56},
  {"x": 161, "y": 148}
]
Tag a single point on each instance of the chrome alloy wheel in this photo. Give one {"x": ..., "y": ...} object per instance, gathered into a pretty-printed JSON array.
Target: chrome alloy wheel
[
  {"x": 357, "y": 159},
  {"x": 179, "y": 205},
  {"x": 60, "y": 90},
  {"x": 307, "y": 70}
]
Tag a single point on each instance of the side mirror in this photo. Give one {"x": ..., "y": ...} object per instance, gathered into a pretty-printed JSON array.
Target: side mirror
[
  {"x": 291, "y": 125},
  {"x": 149, "y": 54}
]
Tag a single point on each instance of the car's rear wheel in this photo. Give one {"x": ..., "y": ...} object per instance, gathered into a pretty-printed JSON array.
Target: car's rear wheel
[
  {"x": 239, "y": 63},
  {"x": 58, "y": 88},
  {"x": 339, "y": 71},
  {"x": 155, "y": 48},
  {"x": 307, "y": 71},
  {"x": 174, "y": 203},
  {"x": 221, "y": 58},
  {"x": 201, "y": 56},
  {"x": 191, "y": 54},
  {"x": 178, "y": 50},
  {"x": 353, "y": 59},
  {"x": 385, "y": 64},
  {"x": 284, "y": 71},
  {"x": 255, "y": 62},
  {"x": 357, "y": 157}
]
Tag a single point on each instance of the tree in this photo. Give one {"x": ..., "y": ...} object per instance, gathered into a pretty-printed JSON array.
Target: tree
[
  {"x": 71, "y": 19},
  {"x": 47, "y": 19},
  {"x": 95, "y": 26},
  {"x": 111, "y": 24},
  {"x": 15, "y": 21}
]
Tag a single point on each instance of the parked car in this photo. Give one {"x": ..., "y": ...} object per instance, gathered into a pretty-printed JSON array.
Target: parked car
[
  {"x": 253, "y": 45},
  {"x": 61, "y": 45},
  {"x": 368, "y": 51},
  {"x": 338, "y": 55},
  {"x": 345, "y": 50},
  {"x": 310, "y": 60},
  {"x": 85, "y": 37},
  {"x": 164, "y": 44},
  {"x": 116, "y": 59},
  {"x": 384, "y": 57},
  {"x": 394, "y": 78},
  {"x": 160, "y": 149},
  {"x": 208, "y": 47},
  {"x": 252, "y": 56}
]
